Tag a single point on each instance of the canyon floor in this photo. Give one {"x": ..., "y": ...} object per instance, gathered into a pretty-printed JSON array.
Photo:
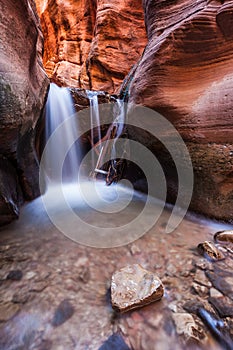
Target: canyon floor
[{"x": 55, "y": 293}]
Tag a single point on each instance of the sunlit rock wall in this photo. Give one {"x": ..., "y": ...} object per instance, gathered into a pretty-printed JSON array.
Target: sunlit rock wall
[{"x": 91, "y": 44}]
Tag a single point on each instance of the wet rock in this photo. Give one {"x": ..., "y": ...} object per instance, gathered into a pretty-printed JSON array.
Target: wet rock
[
  {"x": 209, "y": 251},
  {"x": 223, "y": 306},
  {"x": 63, "y": 312},
  {"x": 30, "y": 275},
  {"x": 114, "y": 342},
  {"x": 222, "y": 281},
  {"x": 7, "y": 311},
  {"x": 199, "y": 289},
  {"x": 133, "y": 287},
  {"x": 15, "y": 275},
  {"x": 217, "y": 328},
  {"x": 224, "y": 236},
  {"x": 201, "y": 278},
  {"x": 192, "y": 306},
  {"x": 186, "y": 325},
  {"x": 214, "y": 293},
  {"x": 204, "y": 265}
]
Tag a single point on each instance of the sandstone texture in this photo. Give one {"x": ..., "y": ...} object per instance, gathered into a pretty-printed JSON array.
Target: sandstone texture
[
  {"x": 23, "y": 87},
  {"x": 133, "y": 287},
  {"x": 186, "y": 75},
  {"x": 91, "y": 44},
  {"x": 224, "y": 236}
]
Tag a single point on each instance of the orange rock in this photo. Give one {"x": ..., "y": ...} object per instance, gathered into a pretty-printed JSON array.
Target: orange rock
[
  {"x": 133, "y": 287},
  {"x": 186, "y": 75},
  {"x": 91, "y": 44}
]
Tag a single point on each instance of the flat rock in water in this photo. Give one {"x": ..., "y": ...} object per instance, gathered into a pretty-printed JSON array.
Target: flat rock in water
[
  {"x": 224, "y": 236},
  {"x": 209, "y": 251},
  {"x": 133, "y": 287}
]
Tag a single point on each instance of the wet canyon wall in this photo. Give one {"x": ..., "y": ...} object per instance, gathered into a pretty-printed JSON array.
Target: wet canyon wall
[{"x": 23, "y": 87}]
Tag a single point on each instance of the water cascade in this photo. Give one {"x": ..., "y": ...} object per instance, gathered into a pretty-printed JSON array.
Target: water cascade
[
  {"x": 60, "y": 112},
  {"x": 95, "y": 120}
]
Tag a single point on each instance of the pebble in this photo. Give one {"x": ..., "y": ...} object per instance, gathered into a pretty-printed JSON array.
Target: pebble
[
  {"x": 15, "y": 275},
  {"x": 133, "y": 287},
  {"x": 224, "y": 237},
  {"x": 209, "y": 251},
  {"x": 214, "y": 293},
  {"x": 30, "y": 274},
  {"x": 201, "y": 278},
  {"x": 199, "y": 289}
]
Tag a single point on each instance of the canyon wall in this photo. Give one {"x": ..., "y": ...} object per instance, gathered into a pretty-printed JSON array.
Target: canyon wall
[
  {"x": 23, "y": 87},
  {"x": 186, "y": 75},
  {"x": 91, "y": 44}
]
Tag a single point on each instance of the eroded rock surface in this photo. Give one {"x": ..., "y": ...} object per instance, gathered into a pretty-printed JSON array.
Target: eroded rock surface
[
  {"x": 133, "y": 287},
  {"x": 224, "y": 237},
  {"x": 91, "y": 44},
  {"x": 186, "y": 75},
  {"x": 23, "y": 87}
]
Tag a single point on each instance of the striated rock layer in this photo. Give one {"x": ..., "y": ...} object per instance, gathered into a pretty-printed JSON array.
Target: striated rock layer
[
  {"x": 23, "y": 86},
  {"x": 91, "y": 44},
  {"x": 186, "y": 75}
]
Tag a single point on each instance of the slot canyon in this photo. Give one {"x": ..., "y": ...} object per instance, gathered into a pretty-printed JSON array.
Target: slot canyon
[{"x": 116, "y": 175}]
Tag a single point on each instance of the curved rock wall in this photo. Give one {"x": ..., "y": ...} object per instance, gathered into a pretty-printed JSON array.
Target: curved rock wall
[
  {"x": 91, "y": 44},
  {"x": 23, "y": 87},
  {"x": 186, "y": 74}
]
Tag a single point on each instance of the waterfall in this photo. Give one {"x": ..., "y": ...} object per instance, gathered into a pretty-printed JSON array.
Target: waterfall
[
  {"x": 95, "y": 120},
  {"x": 59, "y": 110}
]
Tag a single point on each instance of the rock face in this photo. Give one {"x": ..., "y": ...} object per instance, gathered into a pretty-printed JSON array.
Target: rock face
[
  {"x": 91, "y": 44},
  {"x": 23, "y": 86},
  {"x": 186, "y": 75},
  {"x": 133, "y": 287}
]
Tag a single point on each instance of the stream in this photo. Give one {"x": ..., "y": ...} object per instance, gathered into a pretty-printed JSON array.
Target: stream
[{"x": 58, "y": 258}]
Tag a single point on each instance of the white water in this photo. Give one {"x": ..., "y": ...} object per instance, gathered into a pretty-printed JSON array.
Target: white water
[
  {"x": 95, "y": 120},
  {"x": 60, "y": 108}
]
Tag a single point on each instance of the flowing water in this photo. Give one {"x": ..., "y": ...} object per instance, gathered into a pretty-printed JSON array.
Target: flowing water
[
  {"x": 60, "y": 113},
  {"x": 95, "y": 120},
  {"x": 54, "y": 292}
]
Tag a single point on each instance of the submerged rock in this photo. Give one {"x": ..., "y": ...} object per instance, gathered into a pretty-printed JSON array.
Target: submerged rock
[
  {"x": 63, "y": 312},
  {"x": 224, "y": 236},
  {"x": 209, "y": 251},
  {"x": 133, "y": 287},
  {"x": 114, "y": 342}
]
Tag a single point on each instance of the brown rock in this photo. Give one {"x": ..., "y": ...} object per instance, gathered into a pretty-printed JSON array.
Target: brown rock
[
  {"x": 222, "y": 305},
  {"x": 186, "y": 74},
  {"x": 91, "y": 44},
  {"x": 23, "y": 87},
  {"x": 133, "y": 287},
  {"x": 209, "y": 251},
  {"x": 224, "y": 236},
  {"x": 8, "y": 310}
]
